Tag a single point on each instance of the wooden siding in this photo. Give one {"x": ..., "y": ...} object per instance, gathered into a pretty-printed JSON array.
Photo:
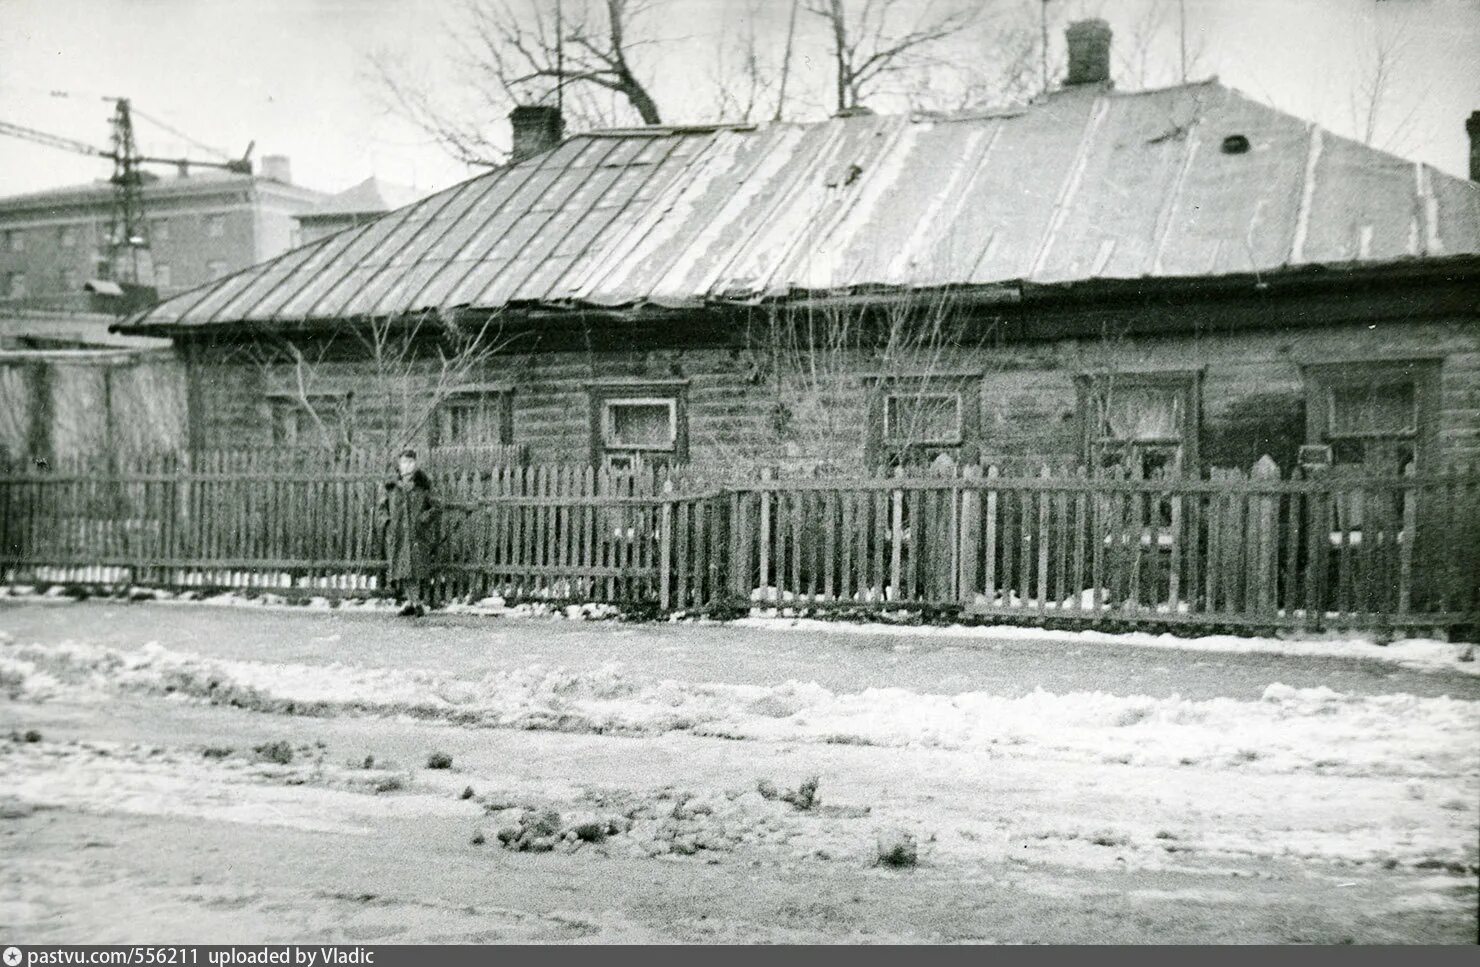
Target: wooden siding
[{"x": 1253, "y": 394}]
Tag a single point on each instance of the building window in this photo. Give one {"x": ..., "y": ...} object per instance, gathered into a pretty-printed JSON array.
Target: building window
[
  {"x": 162, "y": 278},
  {"x": 68, "y": 236},
  {"x": 1376, "y": 416},
  {"x": 923, "y": 418},
  {"x": 1141, "y": 425},
  {"x": 216, "y": 226},
  {"x": 159, "y": 230},
  {"x": 475, "y": 416},
  {"x": 15, "y": 240},
  {"x": 639, "y": 423},
  {"x": 215, "y": 269},
  {"x": 15, "y": 286},
  {"x": 318, "y": 420},
  {"x": 71, "y": 282}
]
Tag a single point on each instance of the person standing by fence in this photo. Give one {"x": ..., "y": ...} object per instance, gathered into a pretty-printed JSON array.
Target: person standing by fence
[{"x": 407, "y": 517}]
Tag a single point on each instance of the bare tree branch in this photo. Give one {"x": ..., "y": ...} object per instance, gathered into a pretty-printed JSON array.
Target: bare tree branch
[
  {"x": 869, "y": 39},
  {"x": 511, "y": 52}
]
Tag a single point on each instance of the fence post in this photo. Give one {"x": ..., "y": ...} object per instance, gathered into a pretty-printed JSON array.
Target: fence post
[
  {"x": 765, "y": 533},
  {"x": 1318, "y": 534},
  {"x": 971, "y": 511},
  {"x": 1266, "y": 570},
  {"x": 665, "y": 546},
  {"x": 896, "y": 537}
]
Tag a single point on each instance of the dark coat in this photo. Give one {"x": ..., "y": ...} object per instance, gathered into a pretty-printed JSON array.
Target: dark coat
[{"x": 407, "y": 515}]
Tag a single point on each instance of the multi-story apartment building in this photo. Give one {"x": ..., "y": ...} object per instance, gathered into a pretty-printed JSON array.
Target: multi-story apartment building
[{"x": 202, "y": 226}]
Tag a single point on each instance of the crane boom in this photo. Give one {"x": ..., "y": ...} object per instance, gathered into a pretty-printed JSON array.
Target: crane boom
[
  {"x": 52, "y": 140},
  {"x": 128, "y": 232}
]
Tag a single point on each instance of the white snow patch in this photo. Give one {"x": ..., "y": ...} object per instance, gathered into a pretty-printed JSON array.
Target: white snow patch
[
  {"x": 1423, "y": 654},
  {"x": 1287, "y": 730}
]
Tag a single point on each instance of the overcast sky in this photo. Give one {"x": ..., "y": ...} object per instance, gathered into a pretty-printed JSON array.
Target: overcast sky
[{"x": 292, "y": 74}]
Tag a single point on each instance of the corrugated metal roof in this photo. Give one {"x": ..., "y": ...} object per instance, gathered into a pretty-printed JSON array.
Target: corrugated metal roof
[{"x": 1083, "y": 185}]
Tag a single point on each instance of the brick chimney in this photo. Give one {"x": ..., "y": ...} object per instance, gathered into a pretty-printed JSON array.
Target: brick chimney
[
  {"x": 1472, "y": 128},
  {"x": 537, "y": 129},
  {"x": 277, "y": 167},
  {"x": 1089, "y": 52}
]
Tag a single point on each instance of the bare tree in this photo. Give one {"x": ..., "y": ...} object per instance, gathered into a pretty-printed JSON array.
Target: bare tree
[
  {"x": 1159, "y": 47},
  {"x": 1382, "y": 63},
  {"x": 508, "y": 52},
  {"x": 871, "y": 40},
  {"x": 821, "y": 363},
  {"x": 1003, "y": 68},
  {"x": 376, "y": 385},
  {"x": 742, "y": 77}
]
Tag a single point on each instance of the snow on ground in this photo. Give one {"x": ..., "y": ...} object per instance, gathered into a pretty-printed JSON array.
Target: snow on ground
[
  {"x": 1341, "y": 785},
  {"x": 1288, "y": 729},
  {"x": 1423, "y": 654},
  {"x": 1419, "y": 654}
]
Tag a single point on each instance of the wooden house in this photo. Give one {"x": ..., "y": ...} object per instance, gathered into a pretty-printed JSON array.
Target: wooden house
[{"x": 1174, "y": 279}]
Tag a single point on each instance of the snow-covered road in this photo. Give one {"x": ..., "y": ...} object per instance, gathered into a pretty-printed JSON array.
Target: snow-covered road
[{"x": 1203, "y": 780}]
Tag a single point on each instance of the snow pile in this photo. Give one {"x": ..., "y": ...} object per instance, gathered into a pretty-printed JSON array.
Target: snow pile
[
  {"x": 1290, "y": 729},
  {"x": 1423, "y": 654}
]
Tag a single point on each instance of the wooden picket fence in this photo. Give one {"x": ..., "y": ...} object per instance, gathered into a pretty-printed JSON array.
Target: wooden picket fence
[
  {"x": 1235, "y": 550},
  {"x": 1253, "y": 549}
]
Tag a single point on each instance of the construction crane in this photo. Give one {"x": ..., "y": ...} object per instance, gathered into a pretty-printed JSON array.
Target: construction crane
[{"x": 128, "y": 235}]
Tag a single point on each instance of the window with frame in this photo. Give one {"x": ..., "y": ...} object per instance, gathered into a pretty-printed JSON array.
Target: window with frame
[
  {"x": 319, "y": 420},
  {"x": 15, "y": 240},
  {"x": 162, "y": 278},
  {"x": 1372, "y": 416},
  {"x": 159, "y": 230},
  {"x": 68, "y": 236},
  {"x": 916, "y": 419},
  {"x": 70, "y": 280},
  {"x": 475, "y": 416},
  {"x": 637, "y": 424},
  {"x": 216, "y": 226},
  {"x": 1141, "y": 425},
  {"x": 15, "y": 286}
]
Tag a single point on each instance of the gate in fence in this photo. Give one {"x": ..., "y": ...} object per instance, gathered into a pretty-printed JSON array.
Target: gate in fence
[{"x": 1247, "y": 549}]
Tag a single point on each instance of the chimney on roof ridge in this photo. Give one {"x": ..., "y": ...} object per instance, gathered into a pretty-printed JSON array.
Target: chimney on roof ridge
[
  {"x": 1089, "y": 52},
  {"x": 537, "y": 129},
  {"x": 1472, "y": 128},
  {"x": 277, "y": 167}
]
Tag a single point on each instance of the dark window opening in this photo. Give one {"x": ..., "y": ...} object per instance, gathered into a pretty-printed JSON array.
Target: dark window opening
[
  {"x": 318, "y": 420},
  {"x": 1141, "y": 425},
  {"x": 638, "y": 425},
  {"x": 916, "y": 420},
  {"x": 1374, "y": 417},
  {"x": 475, "y": 416}
]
